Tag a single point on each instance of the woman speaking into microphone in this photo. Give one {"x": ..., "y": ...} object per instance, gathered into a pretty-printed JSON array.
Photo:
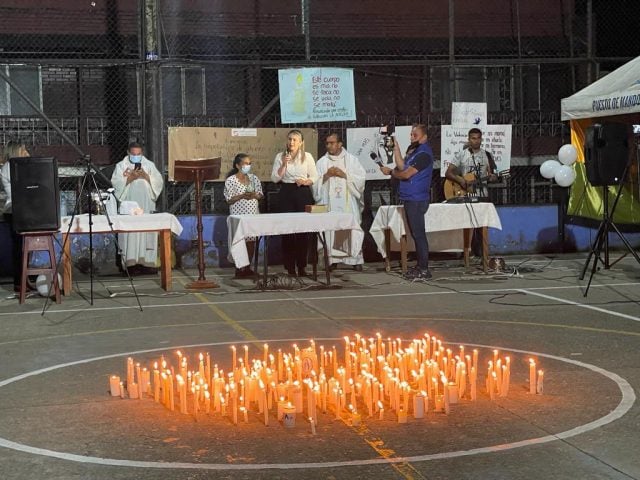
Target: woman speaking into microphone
[{"x": 296, "y": 172}]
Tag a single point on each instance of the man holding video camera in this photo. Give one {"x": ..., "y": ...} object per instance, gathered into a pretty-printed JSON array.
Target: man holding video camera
[{"x": 414, "y": 172}]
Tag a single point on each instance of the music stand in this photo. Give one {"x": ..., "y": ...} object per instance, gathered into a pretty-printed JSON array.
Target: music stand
[{"x": 198, "y": 171}]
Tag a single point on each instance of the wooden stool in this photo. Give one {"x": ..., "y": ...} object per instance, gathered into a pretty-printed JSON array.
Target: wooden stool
[{"x": 37, "y": 242}]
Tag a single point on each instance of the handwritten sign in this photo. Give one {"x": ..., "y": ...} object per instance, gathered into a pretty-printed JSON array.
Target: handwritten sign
[
  {"x": 368, "y": 145},
  {"x": 262, "y": 144},
  {"x": 467, "y": 114},
  {"x": 495, "y": 139},
  {"x": 316, "y": 95}
]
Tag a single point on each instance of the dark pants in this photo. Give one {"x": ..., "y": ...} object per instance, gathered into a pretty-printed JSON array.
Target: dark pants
[
  {"x": 415, "y": 212},
  {"x": 293, "y": 198},
  {"x": 16, "y": 251}
]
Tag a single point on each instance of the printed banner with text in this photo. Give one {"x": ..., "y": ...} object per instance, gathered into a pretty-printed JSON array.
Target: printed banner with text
[
  {"x": 316, "y": 95},
  {"x": 495, "y": 139}
]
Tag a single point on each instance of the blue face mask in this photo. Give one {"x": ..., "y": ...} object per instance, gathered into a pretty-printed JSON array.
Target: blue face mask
[
  {"x": 245, "y": 169},
  {"x": 135, "y": 158}
]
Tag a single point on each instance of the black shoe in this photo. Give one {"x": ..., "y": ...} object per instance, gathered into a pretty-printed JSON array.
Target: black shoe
[
  {"x": 333, "y": 266},
  {"x": 414, "y": 273},
  {"x": 148, "y": 270},
  {"x": 357, "y": 268},
  {"x": 291, "y": 272}
]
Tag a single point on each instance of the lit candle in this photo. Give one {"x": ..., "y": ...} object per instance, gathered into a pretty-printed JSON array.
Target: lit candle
[
  {"x": 532, "y": 376},
  {"x": 133, "y": 390},
  {"x": 418, "y": 405},
  {"x": 121, "y": 390},
  {"x": 439, "y": 403},
  {"x": 453, "y": 393},
  {"x": 313, "y": 425},
  {"x": 246, "y": 355},
  {"x": 356, "y": 419},
  {"x": 381, "y": 409},
  {"x": 402, "y": 416},
  {"x": 233, "y": 358},
  {"x": 289, "y": 415},
  {"x": 114, "y": 385},
  {"x": 245, "y": 414},
  {"x": 540, "y": 384},
  {"x": 156, "y": 382},
  {"x": 280, "y": 408}
]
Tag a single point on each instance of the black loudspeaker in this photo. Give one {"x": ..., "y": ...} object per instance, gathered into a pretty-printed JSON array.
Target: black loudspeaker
[
  {"x": 35, "y": 194},
  {"x": 606, "y": 153}
]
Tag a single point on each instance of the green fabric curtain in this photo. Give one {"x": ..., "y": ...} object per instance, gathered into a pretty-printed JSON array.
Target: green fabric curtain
[{"x": 587, "y": 201}]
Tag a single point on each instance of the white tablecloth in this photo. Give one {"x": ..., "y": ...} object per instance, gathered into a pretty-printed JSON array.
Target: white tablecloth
[
  {"x": 123, "y": 223},
  {"x": 243, "y": 226},
  {"x": 443, "y": 222}
]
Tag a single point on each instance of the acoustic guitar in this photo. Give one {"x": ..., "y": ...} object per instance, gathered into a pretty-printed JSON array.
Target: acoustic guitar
[{"x": 453, "y": 189}]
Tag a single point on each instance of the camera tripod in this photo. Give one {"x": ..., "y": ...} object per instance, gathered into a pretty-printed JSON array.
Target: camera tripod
[
  {"x": 601, "y": 242},
  {"x": 87, "y": 194}
]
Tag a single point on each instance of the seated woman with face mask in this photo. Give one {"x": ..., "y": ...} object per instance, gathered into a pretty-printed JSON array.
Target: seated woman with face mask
[{"x": 243, "y": 191}]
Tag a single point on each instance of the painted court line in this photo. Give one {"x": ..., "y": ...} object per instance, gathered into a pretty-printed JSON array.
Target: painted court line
[
  {"x": 319, "y": 298},
  {"x": 626, "y": 403},
  {"x": 581, "y": 305}
]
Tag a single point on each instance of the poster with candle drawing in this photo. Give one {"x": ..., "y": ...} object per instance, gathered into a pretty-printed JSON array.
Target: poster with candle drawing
[
  {"x": 368, "y": 145},
  {"x": 495, "y": 139}
]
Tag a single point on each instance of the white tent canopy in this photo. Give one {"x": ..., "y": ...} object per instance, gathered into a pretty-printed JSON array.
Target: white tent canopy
[{"x": 617, "y": 93}]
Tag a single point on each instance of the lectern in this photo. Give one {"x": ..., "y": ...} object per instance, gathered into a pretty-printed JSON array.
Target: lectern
[{"x": 198, "y": 171}]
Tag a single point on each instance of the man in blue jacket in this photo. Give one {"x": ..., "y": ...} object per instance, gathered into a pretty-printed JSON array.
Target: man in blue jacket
[{"x": 414, "y": 172}]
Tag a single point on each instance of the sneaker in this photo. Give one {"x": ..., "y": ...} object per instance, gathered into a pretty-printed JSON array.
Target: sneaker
[{"x": 414, "y": 273}]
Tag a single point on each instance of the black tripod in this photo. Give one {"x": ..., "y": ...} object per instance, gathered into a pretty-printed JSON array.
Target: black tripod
[
  {"x": 601, "y": 242},
  {"x": 87, "y": 195}
]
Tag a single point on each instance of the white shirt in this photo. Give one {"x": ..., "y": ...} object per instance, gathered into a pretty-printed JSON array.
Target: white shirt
[
  {"x": 295, "y": 169},
  {"x": 6, "y": 184}
]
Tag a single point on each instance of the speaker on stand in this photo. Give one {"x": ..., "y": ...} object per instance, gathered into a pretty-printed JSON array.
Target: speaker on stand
[
  {"x": 35, "y": 194},
  {"x": 607, "y": 164}
]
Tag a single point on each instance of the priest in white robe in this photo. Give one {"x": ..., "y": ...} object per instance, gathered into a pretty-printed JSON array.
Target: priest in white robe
[
  {"x": 340, "y": 186},
  {"x": 136, "y": 178}
]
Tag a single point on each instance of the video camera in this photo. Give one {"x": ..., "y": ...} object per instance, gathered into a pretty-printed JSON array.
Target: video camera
[{"x": 387, "y": 131}]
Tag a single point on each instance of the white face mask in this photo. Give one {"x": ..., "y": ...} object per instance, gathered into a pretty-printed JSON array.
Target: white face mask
[{"x": 245, "y": 169}]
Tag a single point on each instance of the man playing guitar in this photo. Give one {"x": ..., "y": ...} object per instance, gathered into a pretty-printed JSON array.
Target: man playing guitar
[{"x": 472, "y": 167}]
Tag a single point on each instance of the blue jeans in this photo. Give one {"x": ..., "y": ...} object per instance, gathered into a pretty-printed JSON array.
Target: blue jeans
[{"x": 415, "y": 212}]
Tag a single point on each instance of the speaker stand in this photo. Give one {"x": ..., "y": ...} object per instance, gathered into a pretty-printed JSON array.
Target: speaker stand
[{"x": 601, "y": 242}]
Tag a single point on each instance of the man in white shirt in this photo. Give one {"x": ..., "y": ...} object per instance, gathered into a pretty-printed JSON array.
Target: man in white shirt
[
  {"x": 340, "y": 186},
  {"x": 473, "y": 160}
]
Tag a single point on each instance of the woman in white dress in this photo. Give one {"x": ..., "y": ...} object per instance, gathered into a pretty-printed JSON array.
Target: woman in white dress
[{"x": 243, "y": 191}]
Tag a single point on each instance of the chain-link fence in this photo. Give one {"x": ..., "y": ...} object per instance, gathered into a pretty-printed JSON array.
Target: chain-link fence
[{"x": 88, "y": 67}]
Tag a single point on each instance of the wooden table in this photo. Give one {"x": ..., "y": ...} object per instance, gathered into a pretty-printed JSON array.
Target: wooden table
[{"x": 163, "y": 223}]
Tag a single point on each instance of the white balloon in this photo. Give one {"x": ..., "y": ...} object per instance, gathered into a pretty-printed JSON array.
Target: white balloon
[
  {"x": 43, "y": 282},
  {"x": 565, "y": 175},
  {"x": 549, "y": 168},
  {"x": 567, "y": 154}
]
